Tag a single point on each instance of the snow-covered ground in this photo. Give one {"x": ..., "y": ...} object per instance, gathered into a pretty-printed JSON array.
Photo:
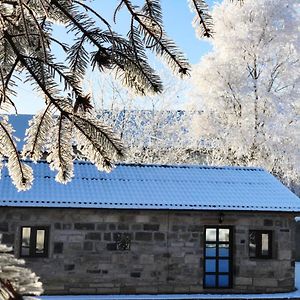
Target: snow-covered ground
[{"x": 292, "y": 295}]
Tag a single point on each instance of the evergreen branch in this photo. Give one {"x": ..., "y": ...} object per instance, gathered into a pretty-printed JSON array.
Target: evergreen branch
[
  {"x": 94, "y": 12},
  {"x": 24, "y": 22},
  {"x": 140, "y": 58},
  {"x": 119, "y": 6},
  {"x": 35, "y": 71},
  {"x": 202, "y": 18},
  {"x": 78, "y": 57},
  {"x": 158, "y": 31},
  {"x": 122, "y": 58},
  {"x": 79, "y": 22},
  {"x": 60, "y": 151},
  {"x": 47, "y": 90},
  {"x": 93, "y": 152},
  {"x": 5, "y": 80},
  {"x": 97, "y": 15},
  {"x": 95, "y": 133},
  {"x": 100, "y": 135},
  {"x": 89, "y": 32},
  {"x": 37, "y": 134},
  {"x": 70, "y": 80},
  {"x": 40, "y": 30},
  {"x": 104, "y": 56},
  {"x": 152, "y": 9},
  {"x": 159, "y": 42},
  {"x": 97, "y": 142},
  {"x": 20, "y": 173}
]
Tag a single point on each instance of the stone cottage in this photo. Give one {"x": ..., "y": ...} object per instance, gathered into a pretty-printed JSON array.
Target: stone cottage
[{"x": 153, "y": 229}]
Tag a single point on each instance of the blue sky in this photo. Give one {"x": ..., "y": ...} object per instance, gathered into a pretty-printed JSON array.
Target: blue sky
[{"x": 177, "y": 20}]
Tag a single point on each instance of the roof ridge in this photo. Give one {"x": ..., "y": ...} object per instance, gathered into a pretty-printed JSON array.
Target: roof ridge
[
  {"x": 181, "y": 166},
  {"x": 120, "y": 178},
  {"x": 174, "y": 166}
]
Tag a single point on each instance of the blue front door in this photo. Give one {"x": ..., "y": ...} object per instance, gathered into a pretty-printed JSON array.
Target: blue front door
[{"x": 217, "y": 257}]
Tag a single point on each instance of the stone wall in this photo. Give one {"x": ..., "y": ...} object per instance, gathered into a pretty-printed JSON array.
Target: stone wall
[{"x": 165, "y": 255}]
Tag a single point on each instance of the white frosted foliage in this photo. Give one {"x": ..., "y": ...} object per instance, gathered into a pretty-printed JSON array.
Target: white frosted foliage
[
  {"x": 20, "y": 173},
  {"x": 101, "y": 151},
  {"x": 23, "y": 280},
  {"x": 156, "y": 130},
  {"x": 157, "y": 136},
  {"x": 54, "y": 133},
  {"x": 37, "y": 135},
  {"x": 91, "y": 152},
  {"x": 248, "y": 87},
  {"x": 202, "y": 22},
  {"x": 60, "y": 150}
]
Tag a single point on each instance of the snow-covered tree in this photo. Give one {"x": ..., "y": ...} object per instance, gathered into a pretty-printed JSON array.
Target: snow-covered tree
[
  {"x": 156, "y": 136},
  {"x": 27, "y": 46},
  {"x": 156, "y": 129},
  {"x": 249, "y": 86},
  {"x": 15, "y": 279}
]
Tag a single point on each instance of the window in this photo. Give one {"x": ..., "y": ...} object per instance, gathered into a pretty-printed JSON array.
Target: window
[
  {"x": 217, "y": 257},
  {"x": 260, "y": 244},
  {"x": 34, "y": 241}
]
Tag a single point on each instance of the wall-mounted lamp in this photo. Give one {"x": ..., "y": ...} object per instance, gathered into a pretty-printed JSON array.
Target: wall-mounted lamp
[{"x": 221, "y": 218}]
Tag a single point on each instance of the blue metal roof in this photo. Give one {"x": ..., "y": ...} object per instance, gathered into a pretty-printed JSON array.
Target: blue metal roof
[{"x": 154, "y": 187}]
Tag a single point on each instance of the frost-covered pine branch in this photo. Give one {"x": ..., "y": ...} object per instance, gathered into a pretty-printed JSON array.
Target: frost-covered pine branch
[
  {"x": 54, "y": 134},
  {"x": 26, "y": 47},
  {"x": 37, "y": 135},
  {"x": 61, "y": 149},
  {"x": 202, "y": 22},
  {"x": 20, "y": 173},
  {"x": 15, "y": 278}
]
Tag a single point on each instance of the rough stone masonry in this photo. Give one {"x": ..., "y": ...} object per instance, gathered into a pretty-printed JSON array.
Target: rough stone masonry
[{"x": 98, "y": 251}]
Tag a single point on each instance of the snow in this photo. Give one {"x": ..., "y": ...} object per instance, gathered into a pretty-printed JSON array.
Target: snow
[
  {"x": 132, "y": 186},
  {"x": 246, "y": 115},
  {"x": 291, "y": 295},
  {"x": 13, "y": 270}
]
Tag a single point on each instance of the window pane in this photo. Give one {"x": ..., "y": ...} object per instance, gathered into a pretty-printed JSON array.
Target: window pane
[
  {"x": 210, "y": 250},
  {"x": 210, "y": 265},
  {"x": 223, "y": 280},
  {"x": 223, "y": 235},
  {"x": 252, "y": 244},
  {"x": 211, "y": 234},
  {"x": 25, "y": 240},
  {"x": 224, "y": 250},
  {"x": 223, "y": 265},
  {"x": 265, "y": 244},
  {"x": 210, "y": 280},
  {"x": 40, "y": 241}
]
